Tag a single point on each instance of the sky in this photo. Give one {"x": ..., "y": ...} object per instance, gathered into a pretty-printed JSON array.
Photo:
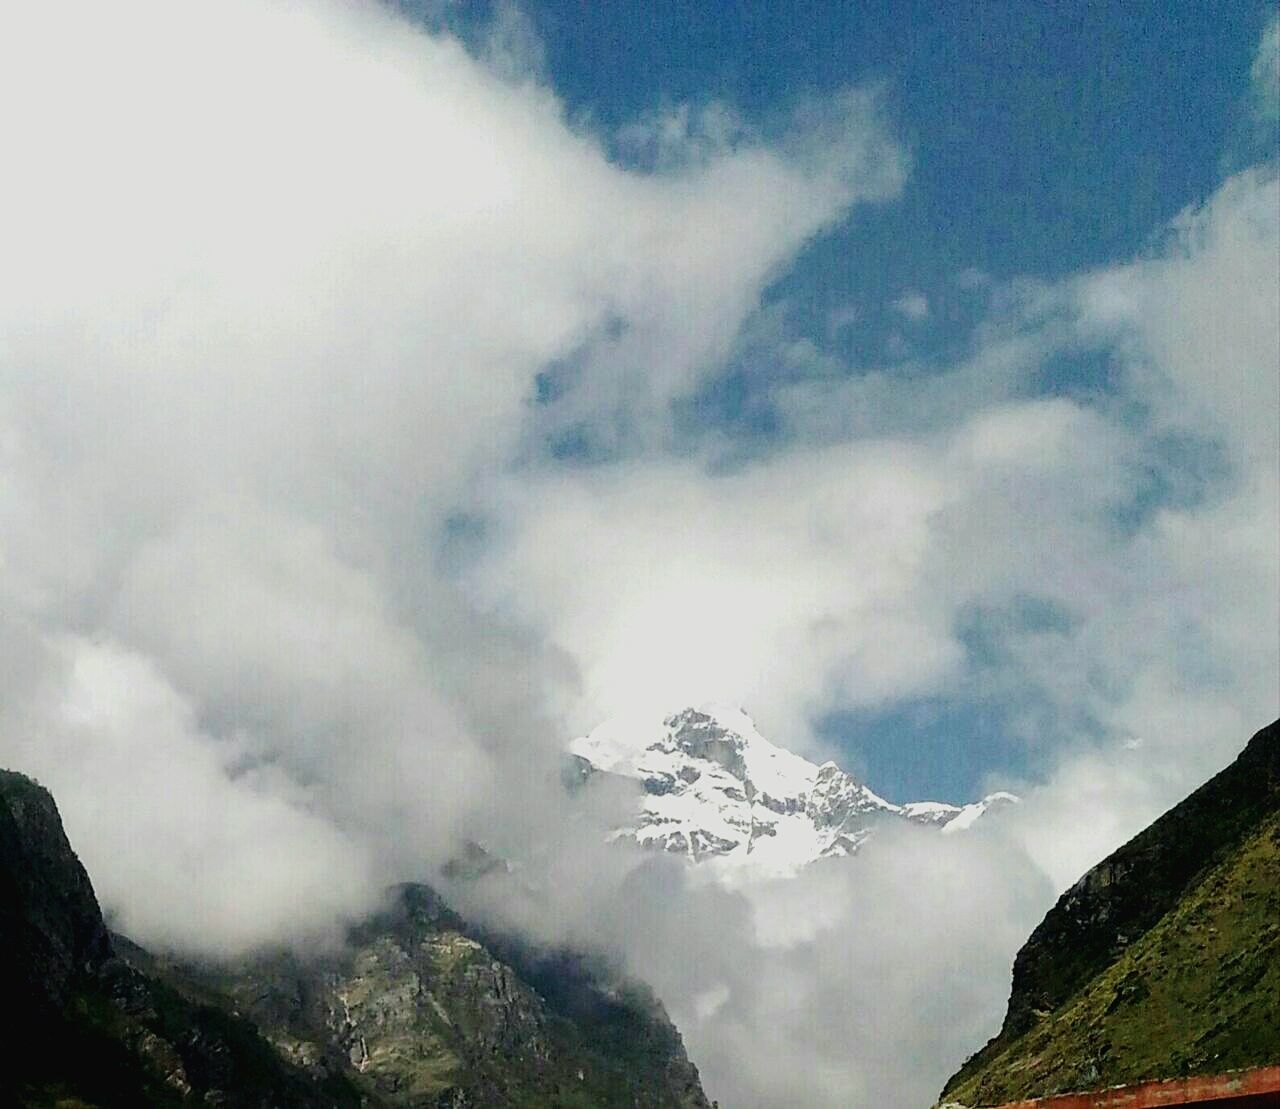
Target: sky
[
  {"x": 390, "y": 393},
  {"x": 1042, "y": 139}
]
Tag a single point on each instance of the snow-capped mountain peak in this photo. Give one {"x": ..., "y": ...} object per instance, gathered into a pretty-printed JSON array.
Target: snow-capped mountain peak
[{"x": 715, "y": 790}]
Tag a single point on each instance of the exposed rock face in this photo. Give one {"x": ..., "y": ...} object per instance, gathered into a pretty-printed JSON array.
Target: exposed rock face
[
  {"x": 711, "y": 788},
  {"x": 1162, "y": 960},
  {"x": 424, "y": 1009},
  {"x": 420, "y": 1010}
]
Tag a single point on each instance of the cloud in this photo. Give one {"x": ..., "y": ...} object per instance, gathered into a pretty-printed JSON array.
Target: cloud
[
  {"x": 206, "y": 841},
  {"x": 862, "y": 983},
  {"x": 275, "y": 302},
  {"x": 1191, "y": 665},
  {"x": 913, "y": 305},
  {"x": 296, "y": 597},
  {"x": 818, "y": 578},
  {"x": 512, "y": 46},
  {"x": 841, "y": 319},
  {"x": 850, "y": 567}
]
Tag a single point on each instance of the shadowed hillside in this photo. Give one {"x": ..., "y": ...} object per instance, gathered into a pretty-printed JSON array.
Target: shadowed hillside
[{"x": 419, "y": 1010}]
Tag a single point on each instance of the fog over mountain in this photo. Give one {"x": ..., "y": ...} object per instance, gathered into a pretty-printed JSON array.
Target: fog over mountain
[{"x": 341, "y": 486}]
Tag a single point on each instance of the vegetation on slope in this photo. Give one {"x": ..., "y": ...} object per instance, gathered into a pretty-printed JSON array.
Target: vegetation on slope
[
  {"x": 424, "y": 1009},
  {"x": 419, "y": 1011},
  {"x": 1163, "y": 961},
  {"x": 1198, "y": 994}
]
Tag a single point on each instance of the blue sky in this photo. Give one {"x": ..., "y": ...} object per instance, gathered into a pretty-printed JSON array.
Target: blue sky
[
  {"x": 1044, "y": 139},
  {"x": 1045, "y": 136}
]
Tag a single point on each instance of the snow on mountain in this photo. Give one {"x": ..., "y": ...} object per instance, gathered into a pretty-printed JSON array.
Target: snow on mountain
[
  {"x": 968, "y": 814},
  {"x": 715, "y": 790}
]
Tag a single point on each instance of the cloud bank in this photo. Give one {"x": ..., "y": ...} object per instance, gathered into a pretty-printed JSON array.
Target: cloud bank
[
  {"x": 339, "y": 485},
  {"x": 279, "y": 283}
]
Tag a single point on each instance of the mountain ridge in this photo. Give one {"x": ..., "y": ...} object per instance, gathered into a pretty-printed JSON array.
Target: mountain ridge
[
  {"x": 713, "y": 789},
  {"x": 418, "y": 1010}
]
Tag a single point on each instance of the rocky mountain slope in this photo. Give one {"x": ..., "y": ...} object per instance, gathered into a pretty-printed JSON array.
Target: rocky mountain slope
[
  {"x": 419, "y": 1009},
  {"x": 1162, "y": 961},
  {"x": 711, "y": 787}
]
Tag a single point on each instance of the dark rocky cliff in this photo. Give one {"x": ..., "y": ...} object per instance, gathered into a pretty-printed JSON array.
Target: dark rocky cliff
[
  {"x": 50, "y": 922},
  {"x": 91, "y": 1029}
]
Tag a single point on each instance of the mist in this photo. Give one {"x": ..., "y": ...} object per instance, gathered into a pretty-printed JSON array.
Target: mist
[{"x": 300, "y": 590}]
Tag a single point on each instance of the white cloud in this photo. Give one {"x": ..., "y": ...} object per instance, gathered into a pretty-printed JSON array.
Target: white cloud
[
  {"x": 277, "y": 282},
  {"x": 273, "y": 303},
  {"x": 914, "y": 305},
  {"x": 841, "y": 319},
  {"x": 190, "y": 841},
  {"x": 823, "y": 578},
  {"x": 839, "y": 572},
  {"x": 862, "y": 984}
]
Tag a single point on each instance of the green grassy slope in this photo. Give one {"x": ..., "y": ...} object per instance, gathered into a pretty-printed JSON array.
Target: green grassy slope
[
  {"x": 1198, "y": 994},
  {"x": 1163, "y": 961}
]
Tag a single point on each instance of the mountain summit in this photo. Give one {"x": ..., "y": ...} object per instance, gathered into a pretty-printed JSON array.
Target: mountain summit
[{"x": 712, "y": 788}]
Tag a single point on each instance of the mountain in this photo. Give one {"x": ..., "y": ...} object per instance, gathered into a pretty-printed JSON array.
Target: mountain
[
  {"x": 85, "y": 1027},
  {"x": 419, "y": 1009},
  {"x": 1162, "y": 961},
  {"x": 710, "y": 787}
]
